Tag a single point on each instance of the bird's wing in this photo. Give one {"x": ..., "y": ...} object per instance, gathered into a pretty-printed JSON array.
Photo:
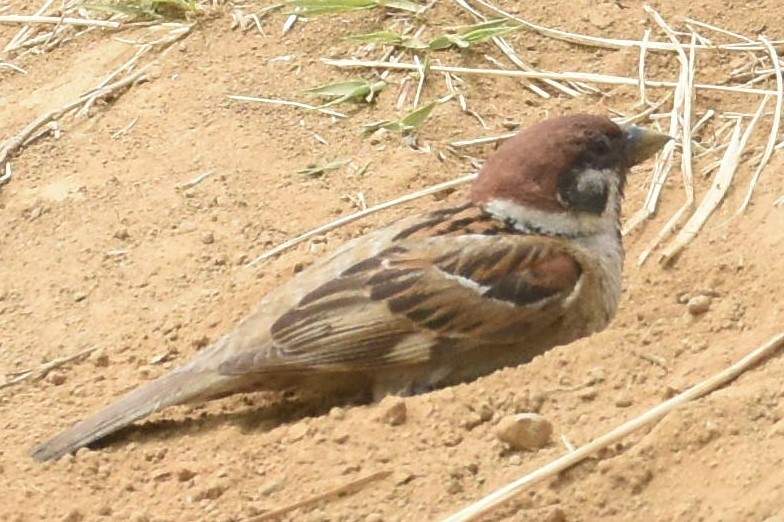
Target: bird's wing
[{"x": 393, "y": 308}]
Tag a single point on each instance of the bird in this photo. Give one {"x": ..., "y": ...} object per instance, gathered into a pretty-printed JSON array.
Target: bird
[{"x": 532, "y": 259}]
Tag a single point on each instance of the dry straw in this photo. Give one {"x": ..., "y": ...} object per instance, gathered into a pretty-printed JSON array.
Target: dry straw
[
  {"x": 719, "y": 188},
  {"x": 612, "y": 43},
  {"x": 22, "y": 376},
  {"x": 774, "y": 131},
  {"x": 515, "y": 58},
  {"x": 680, "y": 118},
  {"x": 16, "y": 143},
  {"x": 56, "y": 20},
  {"x": 362, "y": 213},
  {"x": 272, "y": 101},
  {"x": 604, "y": 79},
  {"x": 345, "y": 489}
]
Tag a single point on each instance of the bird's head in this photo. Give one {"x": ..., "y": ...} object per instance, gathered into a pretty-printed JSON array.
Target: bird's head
[{"x": 564, "y": 175}]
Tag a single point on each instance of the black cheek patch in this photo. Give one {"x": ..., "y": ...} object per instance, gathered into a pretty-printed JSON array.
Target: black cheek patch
[{"x": 584, "y": 192}]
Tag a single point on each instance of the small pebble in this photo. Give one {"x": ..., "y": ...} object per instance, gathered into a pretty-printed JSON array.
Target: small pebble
[
  {"x": 185, "y": 474},
  {"x": 337, "y": 413},
  {"x": 73, "y": 516},
  {"x": 351, "y": 468},
  {"x": 554, "y": 514},
  {"x": 454, "y": 487},
  {"x": 392, "y": 410},
  {"x": 100, "y": 359},
  {"x": 483, "y": 414},
  {"x": 298, "y": 432},
  {"x": 699, "y": 304},
  {"x": 35, "y": 213},
  {"x": 187, "y": 226},
  {"x": 212, "y": 491},
  {"x": 161, "y": 475},
  {"x": 403, "y": 477},
  {"x": 271, "y": 487},
  {"x": 254, "y": 509},
  {"x": 451, "y": 439},
  {"x": 379, "y": 136},
  {"x": 200, "y": 342},
  {"x": 55, "y": 378},
  {"x": 524, "y": 431},
  {"x": 208, "y": 238}
]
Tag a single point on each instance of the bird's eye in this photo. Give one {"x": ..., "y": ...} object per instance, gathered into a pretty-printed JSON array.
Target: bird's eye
[{"x": 600, "y": 146}]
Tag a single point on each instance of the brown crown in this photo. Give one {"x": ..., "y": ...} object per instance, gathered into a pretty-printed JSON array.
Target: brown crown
[{"x": 527, "y": 167}]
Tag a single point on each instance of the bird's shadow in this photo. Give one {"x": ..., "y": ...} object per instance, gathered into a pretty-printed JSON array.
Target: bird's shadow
[{"x": 256, "y": 416}]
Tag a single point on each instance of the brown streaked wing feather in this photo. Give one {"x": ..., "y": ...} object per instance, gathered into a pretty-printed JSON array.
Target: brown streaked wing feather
[
  {"x": 338, "y": 327},
  {"x": 392, "y": 309},
  {"x": 493, "y": 289}
]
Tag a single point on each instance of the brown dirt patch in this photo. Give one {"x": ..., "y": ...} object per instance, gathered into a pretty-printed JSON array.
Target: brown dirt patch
[{"x": 180, "y": 282}]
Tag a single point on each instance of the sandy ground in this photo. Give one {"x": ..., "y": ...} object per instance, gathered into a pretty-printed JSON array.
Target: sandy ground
[{"x": 99, "y": 248}]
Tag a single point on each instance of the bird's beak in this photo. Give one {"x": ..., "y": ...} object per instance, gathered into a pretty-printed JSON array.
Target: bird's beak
[{"x": 642, "y": 143}]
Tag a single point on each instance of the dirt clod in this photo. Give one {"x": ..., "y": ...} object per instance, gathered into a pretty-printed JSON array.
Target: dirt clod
[
  {"x": 211, "y": 491},
  {"x": 392, "y": 410},
  {"x": 73, "y": 515},
  {"x": 56, "y": 378},
  {"x": 524, "y": 431},
  {"x": 208, "y": 238},
  {"x": 185, "y": 474},
  {"x": 100, "y": 359}
]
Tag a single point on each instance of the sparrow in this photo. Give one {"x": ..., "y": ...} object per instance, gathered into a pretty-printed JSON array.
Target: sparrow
[{"x": 533, "y": 259}]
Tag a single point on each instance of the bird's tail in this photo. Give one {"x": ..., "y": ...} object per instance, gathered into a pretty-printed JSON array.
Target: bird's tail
[{"x": 181, "y": 386}]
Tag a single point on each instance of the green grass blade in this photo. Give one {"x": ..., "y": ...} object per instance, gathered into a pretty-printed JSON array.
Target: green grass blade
[
  {"x": 124, "y": 9},
  {"x": 447, "y": 41},
  {"x": 471, "y": 34},
  {"x": 319, "y": 4},
  {"x": 414, "y": 119},
  {"x": 338, "y": 89},
  {"x": 149, "y": 9},
  {"x": 490, "y": 24},
  {"x": 384, "y": 37},
  {"x": 313, "y": 8},
  {"x": 323, "y": 7},
  {"x": 316, "y": 170},
  {"x": 390, "y": 38},
  {"x": 344, "y": 91},
  {"x": 180, "y": 5},
  {"x": 403, "y": 5},
  {"x": 370, "y": 128},
  {"x": 480, "y": 35}
]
